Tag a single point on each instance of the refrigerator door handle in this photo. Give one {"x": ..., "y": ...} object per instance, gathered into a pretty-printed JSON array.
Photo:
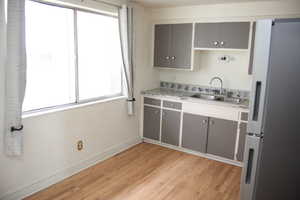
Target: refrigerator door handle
[
  {"x": 250, "y": 166},
  {"x": 257, "y": 97}
]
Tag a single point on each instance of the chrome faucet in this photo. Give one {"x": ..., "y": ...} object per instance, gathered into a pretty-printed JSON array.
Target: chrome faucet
[{"x": 221, "y": 82}]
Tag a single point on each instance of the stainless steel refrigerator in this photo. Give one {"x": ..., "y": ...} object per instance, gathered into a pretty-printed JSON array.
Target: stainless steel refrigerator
[{"x": 272, "y": 152}]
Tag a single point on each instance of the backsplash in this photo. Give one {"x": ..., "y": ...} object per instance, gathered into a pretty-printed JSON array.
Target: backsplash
[
  {"x": 204, "y": 89},
  {"x": 208, "y": 65}
]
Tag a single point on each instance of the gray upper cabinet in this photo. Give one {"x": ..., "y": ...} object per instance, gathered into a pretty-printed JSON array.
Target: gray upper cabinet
[
  {"x": 181, "y": 45},
  {"x": 234, "y": 35},
  {"x": 221, "y": 137},
  {"x": 229, "y": 35},
  {"x": 151, "y": 122},
  {"x": 206, "y": 35},
  {"x": 242, "y": 138},
  {"x": 194, "y": 132},
  {"x": 173, "y": 45},
  {"x": 170, "y": 127},
  {"x": 162, "y": 45}
]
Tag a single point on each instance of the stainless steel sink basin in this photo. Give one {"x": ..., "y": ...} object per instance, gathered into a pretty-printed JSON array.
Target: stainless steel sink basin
[{"x": 208, "y": 97}]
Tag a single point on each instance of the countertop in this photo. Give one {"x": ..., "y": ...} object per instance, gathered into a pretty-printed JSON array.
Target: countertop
[{"x": 186, "y": 96}]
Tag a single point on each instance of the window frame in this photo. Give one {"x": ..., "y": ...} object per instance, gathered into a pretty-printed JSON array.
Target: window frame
[{"x": 78, "y": 102}]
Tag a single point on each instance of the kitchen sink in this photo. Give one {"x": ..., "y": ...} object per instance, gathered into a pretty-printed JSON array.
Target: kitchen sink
[
  {"x": 209, "y": 97},
  {"x": 213, "y": 97}
]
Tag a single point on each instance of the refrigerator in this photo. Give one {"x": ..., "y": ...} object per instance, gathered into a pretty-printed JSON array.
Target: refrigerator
[{"x": 271, "y": 168}]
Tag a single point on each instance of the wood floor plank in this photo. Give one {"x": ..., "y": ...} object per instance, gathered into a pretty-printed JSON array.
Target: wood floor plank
[{"x": 149, "y": 172}]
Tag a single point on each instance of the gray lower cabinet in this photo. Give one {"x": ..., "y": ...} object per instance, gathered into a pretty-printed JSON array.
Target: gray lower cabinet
[
  {"x": 170, "y": 127},
  {"x": 221, "y": 137},
  {"x": 194, "y": 132},
  {"x": 151, "y": 122},
  {"x": 199, "y": 133},
  {"x": 242, "y": 138},
  {"x": 173, "y": 45}
]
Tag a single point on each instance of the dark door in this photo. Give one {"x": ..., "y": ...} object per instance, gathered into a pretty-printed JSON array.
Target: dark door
[
  {"x": 194, "y": 132},
  {"x": 151, "y": 122},
  {"x": 221, "y": 137},
  {"x": 162, "y": 45},
  {"x": 170, "y": 127},
  {"x": 181, "y": 45},
  {"x": 278, "y": 172}
]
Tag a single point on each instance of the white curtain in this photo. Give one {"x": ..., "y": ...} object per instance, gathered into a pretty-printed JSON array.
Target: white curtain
[
  {"x": 13, "y": 58},
  {"x": 126, "y": 34}
]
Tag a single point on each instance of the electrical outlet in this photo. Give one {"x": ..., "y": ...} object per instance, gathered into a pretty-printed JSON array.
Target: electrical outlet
[
  {"x": 79, "y": 145},
  {"x": 225, "y": 59}
]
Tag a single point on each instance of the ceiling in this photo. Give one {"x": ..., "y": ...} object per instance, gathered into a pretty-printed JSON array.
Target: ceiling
[{"x": 171, "y": 3}]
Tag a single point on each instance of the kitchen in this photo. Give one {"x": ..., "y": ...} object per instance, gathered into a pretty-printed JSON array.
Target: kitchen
[
  {"x": 194, "y": 113},
  {"x": 206, "y": 54}
]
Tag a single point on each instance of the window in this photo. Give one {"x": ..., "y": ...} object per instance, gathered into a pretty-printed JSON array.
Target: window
[
  {"x": 72, "y": 56},
  {"x": 99, "y": 52}
]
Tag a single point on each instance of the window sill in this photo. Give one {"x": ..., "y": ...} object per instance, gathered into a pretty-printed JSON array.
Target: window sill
[{"x": 36, "y": 113}]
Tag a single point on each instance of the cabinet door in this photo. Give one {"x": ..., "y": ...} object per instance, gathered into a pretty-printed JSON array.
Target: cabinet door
[
  {"x": 170, "y": 127},
  {"x": 151, "y": 122},
  {"x": 221, "y": 137},
  {"x": 207, "y": 35},
  {"x": 194, "y": 132},
  {"x": 181, "y": 45},
  {"x": 241, "y": 147},
  {"x": 162, "y": 45},
  {"x": 234, "y": 35}
]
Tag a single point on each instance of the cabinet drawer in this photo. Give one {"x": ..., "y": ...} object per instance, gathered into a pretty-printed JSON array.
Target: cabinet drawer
[
  {"x": 244, "y": 116},
  {"x": 150, "y": 101},
  {"x": 174, "y": 105}
]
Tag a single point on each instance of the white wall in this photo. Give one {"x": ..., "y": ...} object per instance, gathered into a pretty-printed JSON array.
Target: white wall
[
  {"x": 234, "y": 73},
  {"x": 50, "y": 139}
]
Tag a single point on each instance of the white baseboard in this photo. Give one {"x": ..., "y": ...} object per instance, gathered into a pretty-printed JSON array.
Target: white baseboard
[
  {"x": 65, "y": 173},
  {"x": 204, "y": 155}
]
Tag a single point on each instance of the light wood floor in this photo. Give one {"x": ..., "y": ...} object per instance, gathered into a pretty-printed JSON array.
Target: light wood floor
[{"x": 150, "y": 172}]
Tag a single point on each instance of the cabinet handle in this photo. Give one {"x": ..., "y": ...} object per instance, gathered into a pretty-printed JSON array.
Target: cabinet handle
[
  {"x": 167, "y": 57},
  {"x": 211, "y": 122},
  {"x": 204, "y": 121},
  {"x": 173, "y": 57},
  {"x": 222, "y": 43},
  {"x": 216, "y": 43}
]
